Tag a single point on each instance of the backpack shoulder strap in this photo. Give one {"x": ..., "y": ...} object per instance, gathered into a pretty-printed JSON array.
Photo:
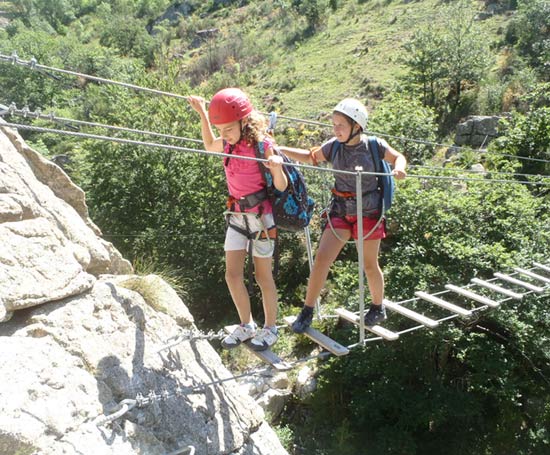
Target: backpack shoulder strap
[
  {"x": 335, "y": 147},
  {"x": 373, "y": 147},
  {"x": 260, "y": 153}
]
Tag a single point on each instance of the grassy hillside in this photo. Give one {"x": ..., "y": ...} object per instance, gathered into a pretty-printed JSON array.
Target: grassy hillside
[{"x": 354, "y": 51}]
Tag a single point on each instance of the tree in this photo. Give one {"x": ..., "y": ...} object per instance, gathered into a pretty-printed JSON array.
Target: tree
[
  {"x": 532, "y": 28},
  {"x": 442, "y": 61},
  {"x": 404, "y": 118},
  {"x": 424, "y": 57},
  {"x": 527, "y": 135},
  {"x": 465, "y": 48}
]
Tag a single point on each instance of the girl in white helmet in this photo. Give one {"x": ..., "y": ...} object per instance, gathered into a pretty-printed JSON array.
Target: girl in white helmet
[{"x": 349, "y": 121}]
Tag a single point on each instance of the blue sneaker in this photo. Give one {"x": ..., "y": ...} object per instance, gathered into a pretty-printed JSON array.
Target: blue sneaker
[
  {"x": 375, "y": 315},
  {"x": 303, "y": 321}
]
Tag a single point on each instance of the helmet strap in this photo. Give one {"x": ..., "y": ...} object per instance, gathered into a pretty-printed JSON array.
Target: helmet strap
[{"x": 353, "y": 134}]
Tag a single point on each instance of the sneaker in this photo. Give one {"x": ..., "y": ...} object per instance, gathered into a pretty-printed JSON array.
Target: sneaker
[
  {"x": 303, "y": 321},
  {"x": 375, "y": 315},
  {"x": 263, "y": 339},
  {"x": 240, "y": 334}
]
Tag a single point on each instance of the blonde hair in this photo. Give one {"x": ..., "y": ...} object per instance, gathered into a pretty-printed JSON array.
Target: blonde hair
[{"x": 255, "y": 127}]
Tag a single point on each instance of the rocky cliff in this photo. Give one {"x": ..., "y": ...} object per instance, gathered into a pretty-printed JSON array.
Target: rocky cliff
[{"x": 79, "y": 336}]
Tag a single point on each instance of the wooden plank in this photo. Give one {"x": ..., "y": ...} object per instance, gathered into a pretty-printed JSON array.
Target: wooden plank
[
  {"x": 328, "y": 343},
  {"x": 497, "y": 288},
  {"x": 546, "y": 268},
  {"x": 267, "y": 356},
  {"x": 472, "y": 295},
  {"x": 376, "y": 329},
  {"x": 443, "y": 303},
  {"x": 535, "y": 276},
  {"x": 411, "y": 314},
  {"x": 524, "y": 284}
]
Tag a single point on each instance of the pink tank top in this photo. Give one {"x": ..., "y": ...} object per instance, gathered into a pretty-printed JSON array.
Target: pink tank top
[{"x": 244, "y": 176}]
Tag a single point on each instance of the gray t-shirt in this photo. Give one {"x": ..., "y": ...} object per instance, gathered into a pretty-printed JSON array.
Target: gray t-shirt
[{"x": 347, "y": 158}]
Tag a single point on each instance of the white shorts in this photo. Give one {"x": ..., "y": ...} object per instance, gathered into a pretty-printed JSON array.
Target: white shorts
[{"x": 234, "y": 240}]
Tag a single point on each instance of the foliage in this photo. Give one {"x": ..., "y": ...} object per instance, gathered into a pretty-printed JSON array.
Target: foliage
[
  {"x": 528, "y": 136},
  {"x": 447, "y": 59},
  {"x": 129, "y": 37},
  {"x": 402, "y": 118},
  {"x": 478, "y": 385},
  {"x": 462, "y": 388},
  {"x": 531, "y": 29}
]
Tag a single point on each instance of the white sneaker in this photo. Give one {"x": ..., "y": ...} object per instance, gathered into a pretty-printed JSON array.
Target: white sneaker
[
  {"x": 240, "y": 334},
  {"x": 264, "y": 339}
]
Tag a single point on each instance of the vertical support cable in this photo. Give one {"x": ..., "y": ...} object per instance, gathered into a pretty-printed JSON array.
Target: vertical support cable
[{"x": 360, "y": 245}]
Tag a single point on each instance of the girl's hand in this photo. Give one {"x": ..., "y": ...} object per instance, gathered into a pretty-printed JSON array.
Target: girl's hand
[
  {"x": 198, "y": 103},
  {"x": 274, "y": 162},
  {"x": 399, "y": 174}
]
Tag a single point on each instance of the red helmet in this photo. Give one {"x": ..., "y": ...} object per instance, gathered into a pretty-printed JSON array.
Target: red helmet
[{"x": 229, "y": 105}]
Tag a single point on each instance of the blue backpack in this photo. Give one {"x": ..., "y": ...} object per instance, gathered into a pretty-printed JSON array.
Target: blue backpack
[
  {"x": 292, "y": 208},
  {"x": 386, "y": 183}
]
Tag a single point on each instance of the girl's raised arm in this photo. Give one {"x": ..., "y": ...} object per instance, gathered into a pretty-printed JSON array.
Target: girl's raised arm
[{"x": 211, "y": 142}]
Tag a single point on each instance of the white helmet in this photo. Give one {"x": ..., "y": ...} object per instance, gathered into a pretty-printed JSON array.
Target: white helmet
[{"x": 355, "y": 110}]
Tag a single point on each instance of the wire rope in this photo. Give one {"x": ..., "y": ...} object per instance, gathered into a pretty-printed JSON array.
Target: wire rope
[{"x": 34, "y": 65}]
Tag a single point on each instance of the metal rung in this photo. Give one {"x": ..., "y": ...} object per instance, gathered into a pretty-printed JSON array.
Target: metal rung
[
  {"x": 532, "y": 275},
  {"x": 443, "y": 304},
  {"x": 546, "y": 268},
  {"x": 521, "y": 283},
  {"x": 472, "y": 295},
  {"x": 411, "y": 314},
  {"x": 498, "y": 289},
  {"x": 328, "y": 343},
  {"x": 376, "y": 329},
  {"x": 267, "y": 356}
]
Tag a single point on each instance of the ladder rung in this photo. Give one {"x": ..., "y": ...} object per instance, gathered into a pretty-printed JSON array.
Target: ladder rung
[
  {"x": 472, "y": 295},
  {"x": 546, "y": 268},
  {"x": 532, "y": 275},
  {"x": 411, "y": 314},
  {"x": 328, "y": 343},
  {"x": 498, "y": 289},
  {"x": 521, "y": 283},
  {"x": 443, "y": 303},
  {"x": 267, "y": 356},
  {"x": 376, "y": 329}
]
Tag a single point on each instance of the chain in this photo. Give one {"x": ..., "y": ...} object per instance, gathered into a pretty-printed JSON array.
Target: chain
[{"x": 141, "y": 400}]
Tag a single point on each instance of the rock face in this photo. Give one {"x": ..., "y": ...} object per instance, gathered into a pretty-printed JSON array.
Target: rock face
[
  {"x": 85, "y": 335},
  {"x": 477, "y": 131}
]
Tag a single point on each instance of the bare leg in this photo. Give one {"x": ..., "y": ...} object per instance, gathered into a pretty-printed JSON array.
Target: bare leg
[
  {"x": 264, "y": 278},
  {"x": 375, "y": 277},
  {"x": 329, "y": 248},
  {"x": 234, "y": 277}
]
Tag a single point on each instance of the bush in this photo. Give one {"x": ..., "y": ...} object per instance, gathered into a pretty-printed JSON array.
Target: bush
[{"x": 406, "y": 118}]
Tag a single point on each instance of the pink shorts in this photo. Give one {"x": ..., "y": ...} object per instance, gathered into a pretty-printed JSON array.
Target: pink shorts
[{"x": 350, "y": 223}]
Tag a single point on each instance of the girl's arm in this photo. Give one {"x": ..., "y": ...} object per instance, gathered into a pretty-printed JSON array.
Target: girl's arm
[
  {"x": 275, "y": 166},
  {"x": 397, "y": 160},
  {"x": 211, "y": 142},
  {"x": 311, "y": 156}
]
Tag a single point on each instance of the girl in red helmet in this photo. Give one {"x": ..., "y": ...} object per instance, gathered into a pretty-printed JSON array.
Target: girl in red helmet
[
  {"x": 349, "y": 121},
  {"x": 250, "y": 219}
]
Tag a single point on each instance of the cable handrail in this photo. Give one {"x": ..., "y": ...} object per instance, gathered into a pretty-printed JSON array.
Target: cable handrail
[
  {"x": 473, "y": 171},
  {"x": 37, "y": 114},
  {"x": 223, "y": 155},
  {"x": 33, "y": 64},
  {"x": 175, "y": 148}
]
